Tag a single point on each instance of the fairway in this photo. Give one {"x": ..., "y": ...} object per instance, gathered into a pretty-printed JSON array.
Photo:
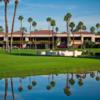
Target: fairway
[{"x": 13, "y": 65}]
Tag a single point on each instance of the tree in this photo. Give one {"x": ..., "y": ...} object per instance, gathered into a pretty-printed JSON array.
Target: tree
[
  {"x": 34, "y": 24},
  {"x": 98, "y": 26},
  {"x": 53, "y": 24},
  {"x": 6, "y": 2},
  {"x": 67, "y": 18},
  {"x": 89, "y": 44},
  {"x": 20, "y": 18},
  {"x": 30, "y": 20},
  {"x": 80, "y": 27},
  {"x": 1, "y": 29},
  {"x": 49, "y": 22},
  {"x": 23, "y": 30},
  {"x": 72, "y": 25},
  {"x": 13, "y": 22},
  {"x": 56, "y": 29},
  {"x": 92, "y": 30}
]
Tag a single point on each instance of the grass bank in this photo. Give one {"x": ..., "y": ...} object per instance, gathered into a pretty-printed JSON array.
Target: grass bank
[{"x": 12, "y": 65}]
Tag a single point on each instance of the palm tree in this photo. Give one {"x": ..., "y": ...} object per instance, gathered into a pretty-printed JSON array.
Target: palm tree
[
  {"x": 80, "y": 28},
  {"x": 23, "y": 30},
  {"x": 1, "y": 29},
  {"x": 49, "y": 21},
  {"x": 84, "y": 27},
  {"x": 34, "y": 24},
  {"x": 30, "y": 22},
  {"x": 20, "y": 18},
  {"x": 92, "y": 30},
  {"x": 72, "y": 25},
  {"x": 56, "y": 29},
  {"x": 98, "y": 26},
  {"x": 6, "y": 24},
  {"x": 13, "y": 22},
  {"x": 67, "y": 18},
  {"x": 53, "y": 24}
]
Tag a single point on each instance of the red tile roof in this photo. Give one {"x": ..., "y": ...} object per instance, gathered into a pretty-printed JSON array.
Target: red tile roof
[
  {"x": 42, "y": 32},
  {"x": 17, "y": 33},
  {"x": 85, "y": 33},
  {"x": 2, "y": 33}
]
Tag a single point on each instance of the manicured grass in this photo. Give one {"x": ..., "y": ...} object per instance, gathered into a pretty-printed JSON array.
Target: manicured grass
[{"x": 13, "y": 65}]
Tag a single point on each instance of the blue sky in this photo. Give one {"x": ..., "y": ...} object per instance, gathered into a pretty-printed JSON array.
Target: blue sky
[{"x": 87, "y": 11}]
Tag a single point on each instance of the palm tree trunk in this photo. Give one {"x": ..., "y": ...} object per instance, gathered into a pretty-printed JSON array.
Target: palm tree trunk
[
  {"x": 68, "y": 39},
  {"x": 6, "y": 89},
  {"x": 30, "y": 36},
  {"x": 53, "y": 38},
  {"x": 13, "y": 97},
  {"x": 16, "y": 4},
  {"x": 6, "y": 27}
]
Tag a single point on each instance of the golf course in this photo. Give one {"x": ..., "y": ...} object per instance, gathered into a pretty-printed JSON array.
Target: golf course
[{"x": 15, "y": 64}]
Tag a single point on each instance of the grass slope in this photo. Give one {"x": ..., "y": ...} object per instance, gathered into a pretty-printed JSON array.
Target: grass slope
[{"x": 12, "y": 65}]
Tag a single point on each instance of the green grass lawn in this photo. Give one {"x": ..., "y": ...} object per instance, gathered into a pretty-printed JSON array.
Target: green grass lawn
[{"x": 14, "y": 65}]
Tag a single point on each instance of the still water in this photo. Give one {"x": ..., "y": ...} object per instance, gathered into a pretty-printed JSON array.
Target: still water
[{"x": 83, "y": 86}]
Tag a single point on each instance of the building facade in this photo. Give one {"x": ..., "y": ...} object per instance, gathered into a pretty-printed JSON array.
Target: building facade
[{"x": 44, "y": 39}]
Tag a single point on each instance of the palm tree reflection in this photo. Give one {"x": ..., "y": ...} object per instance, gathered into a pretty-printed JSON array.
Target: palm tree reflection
[
  {"x": 67, "y": 90},
  {"x": 71, "y": 80},
  {"x": 30, "y": 84},
  {"x": 20, "y": 88},
  {"x": 6, "y": 89},
  {"x": 97, "y": 76}
]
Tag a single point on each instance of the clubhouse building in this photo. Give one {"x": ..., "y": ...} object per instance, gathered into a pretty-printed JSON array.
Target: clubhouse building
[{"x": 43, "y": 39}]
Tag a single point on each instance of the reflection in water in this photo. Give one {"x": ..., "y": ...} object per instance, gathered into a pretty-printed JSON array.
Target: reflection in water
[{"x": 54, "y": 83}]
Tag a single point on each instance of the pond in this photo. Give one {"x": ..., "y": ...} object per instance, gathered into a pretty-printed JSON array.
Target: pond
[{"x": 69, "y": 86}]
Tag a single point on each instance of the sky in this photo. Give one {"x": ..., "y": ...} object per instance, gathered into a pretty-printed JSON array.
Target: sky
[{"x": 87, "y": 11}]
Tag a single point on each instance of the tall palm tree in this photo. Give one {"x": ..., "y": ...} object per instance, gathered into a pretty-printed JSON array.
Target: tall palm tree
[
  {"x": 20, "y": 18},
  {"x": 67, "y": 19},
  {"x": 72, "y": 25},
  {"x": 80, "y": 28},
  {"x": 6, "y": 24},
  {"x": 13, "y": 22},
  {"x": 49, "y": 21},
  {"x": 34, "y": 24},
  {"x": 92, "y": 30},
  {"x": 98, "y": 26},
  {"x": 30, "y": 20},
  {"x": 53, "y": 24},
  {"x": 23, "y": 30}
]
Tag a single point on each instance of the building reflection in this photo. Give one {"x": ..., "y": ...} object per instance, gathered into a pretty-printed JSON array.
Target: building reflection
[{"x": 70, "y": 80}]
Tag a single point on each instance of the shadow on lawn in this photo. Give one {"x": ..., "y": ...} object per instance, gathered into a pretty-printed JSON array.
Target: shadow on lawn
[{"x": 30, "y": 54}]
